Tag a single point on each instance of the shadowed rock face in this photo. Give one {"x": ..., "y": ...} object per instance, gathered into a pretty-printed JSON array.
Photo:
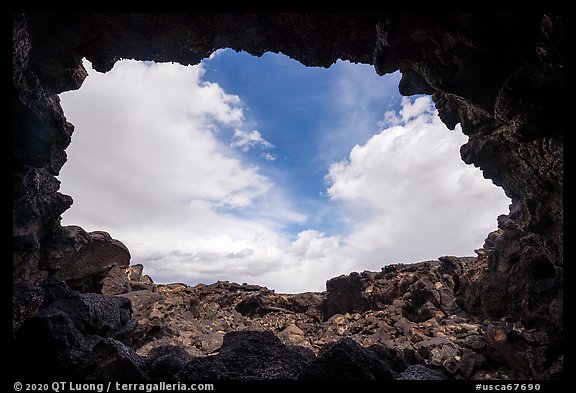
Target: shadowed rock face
[{"x": 499, "y": 76}]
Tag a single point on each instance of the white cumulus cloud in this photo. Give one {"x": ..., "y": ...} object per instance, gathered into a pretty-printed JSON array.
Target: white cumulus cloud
[
  {"x": 245, "y": 140},
  {"x": 408, "y": 196},
  {"x": 312, "y": 244},
  {"x": 146, "y": 164}
]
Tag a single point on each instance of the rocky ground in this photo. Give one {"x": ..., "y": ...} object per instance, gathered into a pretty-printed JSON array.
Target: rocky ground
[
  {"x": 405, "y": 322},
  {"x": 403, "y": 317}
]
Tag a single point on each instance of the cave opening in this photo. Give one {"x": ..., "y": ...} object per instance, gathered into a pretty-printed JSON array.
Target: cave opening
[
  {"x": 264, "y": 171},
  {"x": 498, "y": 316}
]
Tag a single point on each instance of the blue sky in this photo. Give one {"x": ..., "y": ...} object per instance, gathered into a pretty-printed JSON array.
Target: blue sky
[
  {"x": 292, "y": 107},
  {"x": 264, "y": 171}
]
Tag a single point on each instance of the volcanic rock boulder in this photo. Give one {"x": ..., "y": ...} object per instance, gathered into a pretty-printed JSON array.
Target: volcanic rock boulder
[
  {"x": 77, "y": 335},
  {"x": 164, "y": 362},
  {"x": 122, "y": 279},
  {"x": 110, "y": 360},
  {"x": 50, "y": 345},
  {"x": 249, "y": 355},
  {"x": 344, "y": 295},
  {"x": 347, "y": 360},
  {"x": 91, "y": 313},
  {"x": 420, "y": 290},
  {"x": 84, "y": 259}
]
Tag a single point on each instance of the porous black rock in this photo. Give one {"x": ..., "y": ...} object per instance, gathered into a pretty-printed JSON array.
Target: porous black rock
[
  {"x": 347, "y": 360},
  {"x": 249, "y": 355}
]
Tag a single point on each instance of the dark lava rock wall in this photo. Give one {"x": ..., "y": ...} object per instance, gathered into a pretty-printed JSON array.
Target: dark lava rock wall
[{"x": 498, "y": 75}]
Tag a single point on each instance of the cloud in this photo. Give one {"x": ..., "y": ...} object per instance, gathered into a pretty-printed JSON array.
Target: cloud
[
  {"x": 146, "y": 164},
  {"x": 406, "y": 194},
  {"x": 218, "y": 52},
  {"x": 312, "y": 244},
  {"x": 269, "y": 157},
  {"x": 246, "y": 140},
  {"x": 149, "y": 163}
]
